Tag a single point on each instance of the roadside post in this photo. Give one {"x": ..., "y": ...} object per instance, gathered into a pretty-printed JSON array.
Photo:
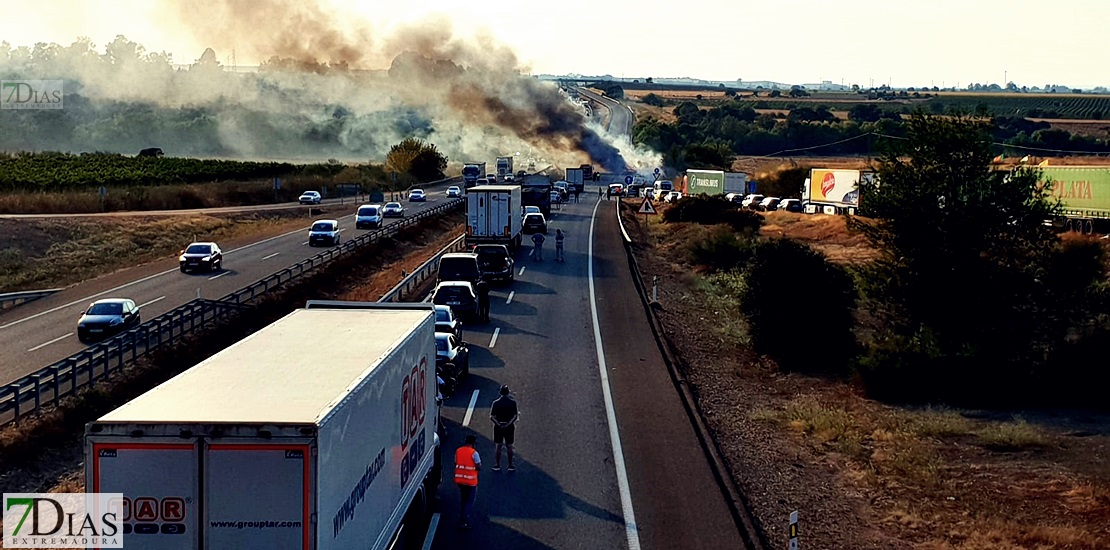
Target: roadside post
[
  {"x": 794, "y": 530},
  {"x": 655, "y": 289}
]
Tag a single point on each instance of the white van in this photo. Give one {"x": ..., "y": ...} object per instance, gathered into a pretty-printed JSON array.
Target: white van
[{"x": 368, "y": 216}]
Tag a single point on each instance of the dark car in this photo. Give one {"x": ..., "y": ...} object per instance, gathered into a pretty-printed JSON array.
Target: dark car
[
  {"x": 206, "y": 256},
  {"x": 107, "y": 317},
  {"x": 459, "y": 266},
  {"x": 495, "y": 262},
  {"x": 791, "y": 205},
  {"x": 447, "y": 322},
  {"x": 452, "y": 351},
  {"x": 535, "y": 223},
  {"x": 458, "y": 295}
]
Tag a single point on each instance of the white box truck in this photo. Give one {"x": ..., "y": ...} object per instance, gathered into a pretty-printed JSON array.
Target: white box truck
[
  {"x": 494, "y": 214},
  {"x": 576, "y": 178},
  {"x": 317, "y": 432}
]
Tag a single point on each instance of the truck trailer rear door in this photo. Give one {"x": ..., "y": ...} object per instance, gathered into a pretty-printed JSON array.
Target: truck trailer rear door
[
  {"x": 159, "y": 485},
  {"x": 258, "y": 496}
]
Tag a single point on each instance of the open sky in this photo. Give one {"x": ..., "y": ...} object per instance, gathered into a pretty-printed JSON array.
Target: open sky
[{"x": 941, "y": 42}]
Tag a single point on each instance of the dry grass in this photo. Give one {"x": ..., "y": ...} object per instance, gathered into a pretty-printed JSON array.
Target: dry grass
[
  {"x": 45, "y": 253},
  {"x": 1011, "y": 436},
  {"x": 939, "y": 423},
  {"x": 678, "y": 95},
  {"x": 827, "y": 234}
]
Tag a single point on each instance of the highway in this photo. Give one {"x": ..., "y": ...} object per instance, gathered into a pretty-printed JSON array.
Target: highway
[
  {"x": 38, "y": 333},
  {"x": 607, "y": 455},
  {"x": 620, "y": 116}
]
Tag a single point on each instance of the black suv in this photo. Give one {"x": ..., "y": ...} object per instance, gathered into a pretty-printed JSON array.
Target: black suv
[
  {"x": 495, "y": 262},
  {"x": 459, "y": 266}
]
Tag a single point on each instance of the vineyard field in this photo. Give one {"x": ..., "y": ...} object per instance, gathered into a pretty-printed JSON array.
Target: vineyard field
[{"x": 65, "y": 172}]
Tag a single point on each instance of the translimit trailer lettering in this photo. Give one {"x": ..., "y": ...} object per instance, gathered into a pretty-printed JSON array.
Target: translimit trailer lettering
[{"x": 347, "y": 511}]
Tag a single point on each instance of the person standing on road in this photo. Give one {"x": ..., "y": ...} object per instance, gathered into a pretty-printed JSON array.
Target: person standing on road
[
  {"x": 537, "y": 252},
  {"x": 559, "y": 246},
  {"x": 599, "y": 191},
  {"x": 504, "y": 414},
  {"x": 467, "y": 464},
  {"x": 483, "y": 299}
]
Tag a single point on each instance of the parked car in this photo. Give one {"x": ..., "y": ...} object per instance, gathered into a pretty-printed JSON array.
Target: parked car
[
  {"x": 790, "y": 205},
  {"x": 393, "y": 210},
  {"x": 535, "y": 223},
  {"x": 310, "y": 197},
  {"x": 323, "y": 232},
  {"x": 616, "y": 189},
  {"x": 206, "y": 256},
  {"x": 417, "y": 195},
  {"x": 482, "y": 181},
  {"x": 454, "y": 191},
  {"x": 736, "y": 198},
  {"x": 492, "y": 178},
  {"x": 672, "y": 196},
  {"x": 368, "y": 216},
  {"x": 106, "y": 318},
  {"x": 459, "y": 266},
  {"x": 509, "y": 177},
  {"x": 532, "y": 210},
  {"x": 458, "y": 295},
  {"x": 769, "y": 204},
  {"x": 452, "y": 351},
  {"x": 447, "y": 322},
  {"x": 751, "y": 202},
  {"x": 495, "y": 262}
]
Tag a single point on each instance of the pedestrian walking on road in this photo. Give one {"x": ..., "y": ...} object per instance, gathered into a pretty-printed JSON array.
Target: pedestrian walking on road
[
  {"x": 467, "y": 464},
  {"x": 483, "y": 299},
  {"x": 537, "y": 252},
  {"x": 599, "y": 191},
  {"x": 504, "y": 414},
  {"x": 559, "y": 237}
]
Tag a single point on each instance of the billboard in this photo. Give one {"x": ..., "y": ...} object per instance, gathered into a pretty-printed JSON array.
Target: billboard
[
  {"x": 833, "y": 187},
  {"x": 709, "y": 182},
  {"x": 1079, "y": 188}
]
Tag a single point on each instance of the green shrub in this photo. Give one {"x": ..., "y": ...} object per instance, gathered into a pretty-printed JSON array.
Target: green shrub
[
  {"x": 712, "y": 210},
  {"x": 721, "y": 249},
  {"x": 799, "y": 308}
]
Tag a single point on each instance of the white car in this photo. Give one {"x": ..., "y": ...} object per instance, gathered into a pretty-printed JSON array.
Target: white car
[
  {"x": 324, "y": 232},
  {"x": 672, "y": 196},
  {"x": 310, "y": 197},
  {"x": 751, "y": 202},
  {"x": 509, "y": 177},
  {"x": 393, "y": 210},
  {"x": 769, "y": 204},
  {"x": 368, "y": 216},
  {"x": 454, "y": 191},
  {"x": 417, "y": 195}
]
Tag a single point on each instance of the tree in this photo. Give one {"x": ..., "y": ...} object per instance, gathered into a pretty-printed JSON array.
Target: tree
[
  {"x": 961, "y": 291},
  {"x": 774, "y": 93},
  {"x": 416, "y": 158},
  {"x": 654, "y": 100}
]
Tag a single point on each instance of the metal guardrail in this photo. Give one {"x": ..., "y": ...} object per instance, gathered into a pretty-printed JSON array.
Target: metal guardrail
[
  {"x": 29, "y": 394},
  {"x": 428, "y": 269},
  {"x": 12, "y": 299}
]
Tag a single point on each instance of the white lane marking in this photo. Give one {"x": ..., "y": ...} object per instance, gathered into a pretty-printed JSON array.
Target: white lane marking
[
  {"x": 214, "y": 277},
  {"x": 43, "y": 345},
  {"x": 431, "y": 537},
  {"x": 470, "y": 408},
  {"x": 304, "y": 243},
  {"x": 132, "y": 283},
  {"x": 158, "y": 299},
  {"x": 510, "y": 299},
  {"x": 522, "y": 271},
  {"x": 630, "y": 528},
  {"x": 493, "y": 341},
  {"x": 270, "y": 256}
]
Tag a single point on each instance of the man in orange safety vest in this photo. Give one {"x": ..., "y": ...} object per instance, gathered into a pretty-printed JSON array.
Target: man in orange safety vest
[{"x": 467, "y": 464}]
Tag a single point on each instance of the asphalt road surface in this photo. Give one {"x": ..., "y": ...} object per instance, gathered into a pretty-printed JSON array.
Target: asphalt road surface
[
  {"x": 38, "y": 333},
  {"x": 607, "y": 455},
  {"x": 620, "y": 118}
]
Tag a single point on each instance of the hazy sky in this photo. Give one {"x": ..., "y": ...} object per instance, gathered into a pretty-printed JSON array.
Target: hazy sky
[{"x": 942, "y": 42}]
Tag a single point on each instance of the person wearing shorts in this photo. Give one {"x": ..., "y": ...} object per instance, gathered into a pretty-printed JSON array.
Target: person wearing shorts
[{"x": 504, "y": 414}]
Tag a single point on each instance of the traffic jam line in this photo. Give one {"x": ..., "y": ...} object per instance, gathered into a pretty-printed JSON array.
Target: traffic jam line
[
  {"x": 510, "y": 299},
  {"x": 58, "y": 339},
  {"x": 470, "y": 408},
  {"x": 493, "y": 341}
]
